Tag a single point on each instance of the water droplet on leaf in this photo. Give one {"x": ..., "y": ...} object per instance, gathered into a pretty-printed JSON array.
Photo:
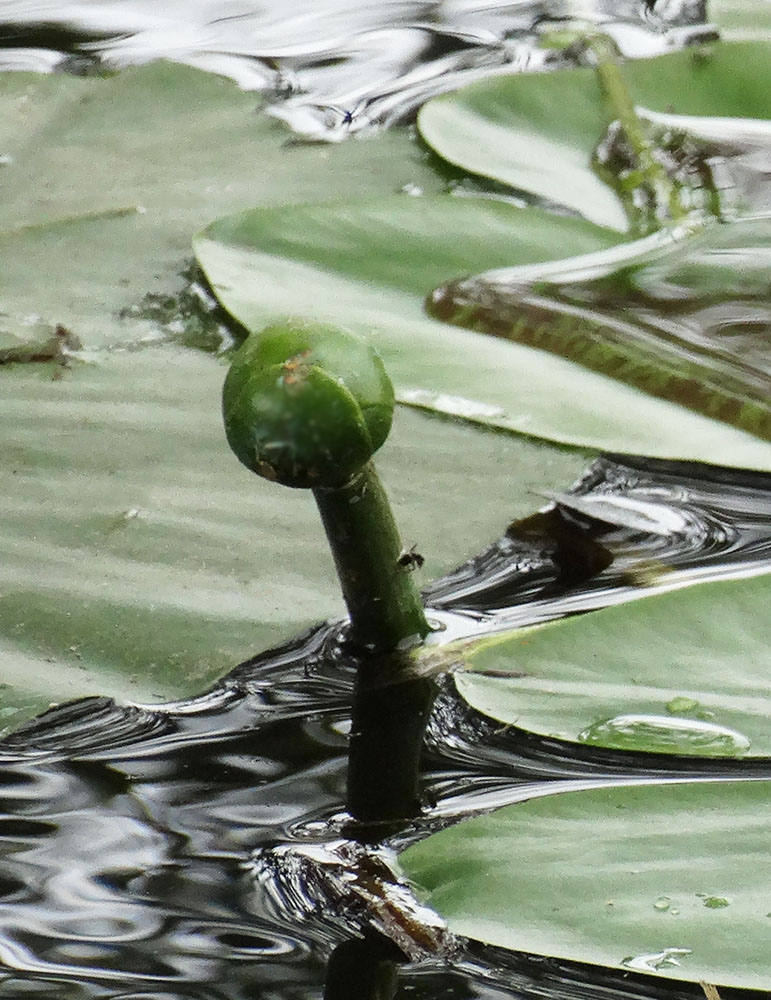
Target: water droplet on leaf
[
  {"x": 664, "y": 734},
  {"x": 665, "y": 959},
  {"x": 682, "y": 705}
]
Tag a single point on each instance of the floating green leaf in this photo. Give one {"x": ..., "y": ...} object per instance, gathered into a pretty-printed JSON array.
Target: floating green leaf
[
  {"x": 106, "y": 181},
  {"x": 368, "y": 265},
  {"x": 619, "y": 877},
  {"x": 742, "y": 20},
  {"x": 680, "y": 672},
  {"x": 138, "y": 559},
  {"x": 539, "y": 132},
  {"x": 685, "y": 320}
]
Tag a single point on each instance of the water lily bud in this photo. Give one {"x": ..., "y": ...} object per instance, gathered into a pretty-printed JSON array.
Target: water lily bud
[{"x": 306, "y": 405}]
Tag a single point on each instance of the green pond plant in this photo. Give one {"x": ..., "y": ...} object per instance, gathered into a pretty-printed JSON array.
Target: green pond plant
[
  {"x": 660, "y": 878},
  {"x": 307, "y": 405}
]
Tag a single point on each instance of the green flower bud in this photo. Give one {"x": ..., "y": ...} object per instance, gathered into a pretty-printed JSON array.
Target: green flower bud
[{"x": 306, "y": 405}]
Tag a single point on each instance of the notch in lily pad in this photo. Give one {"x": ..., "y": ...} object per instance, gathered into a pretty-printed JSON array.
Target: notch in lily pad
[{"x": 306, "y": 406}]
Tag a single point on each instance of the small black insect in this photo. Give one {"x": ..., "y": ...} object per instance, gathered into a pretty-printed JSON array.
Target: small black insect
[
  {"x": 338, "y": 117},
  {"x": 410, "y": 558}
]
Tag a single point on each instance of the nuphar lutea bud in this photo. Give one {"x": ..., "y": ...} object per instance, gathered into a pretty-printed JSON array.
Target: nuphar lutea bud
[{"x": 306, "y": 405}]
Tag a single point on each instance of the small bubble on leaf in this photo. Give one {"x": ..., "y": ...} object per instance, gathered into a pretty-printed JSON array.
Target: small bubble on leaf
[{"x": 682, "y": 705}]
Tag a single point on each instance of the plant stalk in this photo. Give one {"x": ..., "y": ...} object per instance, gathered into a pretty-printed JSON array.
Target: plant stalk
[
  {"x": 382, "y": 600},
  {"x": 388, "y": 724},
  {"x": 635, "y": 129}
]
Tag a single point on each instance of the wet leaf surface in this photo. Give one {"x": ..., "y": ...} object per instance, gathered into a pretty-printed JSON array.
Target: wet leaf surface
[
  {"x": 141, "y": 561},
  {"x": 106, "y": 181},
  {"x": 660, "y": 674},
  {"x": 539, "y": 133},
  {"x": 369, "y": 265},
  {"x": 620, "y": 877},
  {"x": 742, "y": 20},
  {"x": 686, "y": 320}
]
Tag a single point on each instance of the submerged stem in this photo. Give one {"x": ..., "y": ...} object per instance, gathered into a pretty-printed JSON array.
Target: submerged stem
[
  {"x": 635, "y": 129},
  {"x": 379, "y": 592}
]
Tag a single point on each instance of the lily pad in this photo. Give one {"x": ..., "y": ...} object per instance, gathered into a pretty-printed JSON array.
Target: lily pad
[
  {"x": 368, "y": 265},
  {"x": 139, "y": 559},
  {"x": 135, "y": 551},
  {"x": 742, "y": 20},
  {"x": 106, "y": 180},
  {"x": 539, "y": 132},
  {"x": 681, "y": 672},
  {"x": 623, "y": 877},
  {"x": 685, "y": 320}
]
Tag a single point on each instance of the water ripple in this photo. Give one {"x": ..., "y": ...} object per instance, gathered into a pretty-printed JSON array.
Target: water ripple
[
  {"x": 629, "y": 527},
  {"x": 334, "y": 68}
]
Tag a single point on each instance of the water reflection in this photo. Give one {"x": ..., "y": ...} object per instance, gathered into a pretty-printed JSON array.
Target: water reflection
[
  {"x": 221, "y": 847},
  {"x": 719, "y": 166},
  {"x": 226, "y": 847},
  {"x": 686, "y": 320},
  {"x": 603, "y": 542},
  {"x": 391, "y": 752},
  {"x": 334, "y": 68}
]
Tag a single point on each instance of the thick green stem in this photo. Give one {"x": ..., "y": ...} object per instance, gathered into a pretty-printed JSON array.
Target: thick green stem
[
  {"x": 382, "y": 600},
  {"x": 308, "y": 405}
]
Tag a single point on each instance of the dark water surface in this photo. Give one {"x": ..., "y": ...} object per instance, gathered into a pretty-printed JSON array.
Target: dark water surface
[
  {"x": 208, "y": 848},
  {"x": 223, "y": 847},
  {"x": 330, "y": 67}
]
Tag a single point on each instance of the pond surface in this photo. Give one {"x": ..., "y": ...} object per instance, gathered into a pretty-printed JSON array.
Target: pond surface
[
  {"x": 201, "y": 849},
  {"x": 330, "y": 68},
  {"x": 204, "y": 848}
]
